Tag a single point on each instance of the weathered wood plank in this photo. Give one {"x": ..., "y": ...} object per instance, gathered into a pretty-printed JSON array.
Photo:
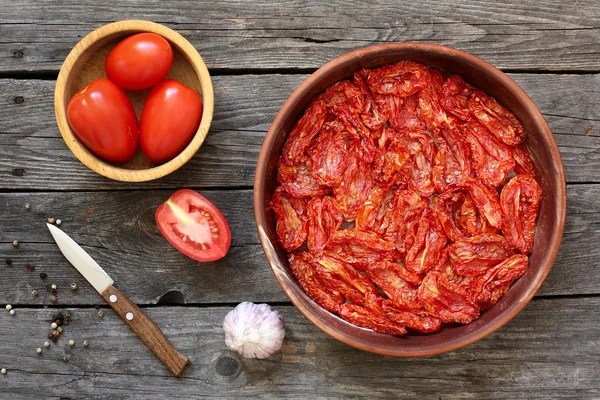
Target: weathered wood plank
[
  {"x": 118, "y": 230},
  {"x": 34, "y": 156},
  {"x": 533, "y": 35},
  {"x": 549, "y": 350}
]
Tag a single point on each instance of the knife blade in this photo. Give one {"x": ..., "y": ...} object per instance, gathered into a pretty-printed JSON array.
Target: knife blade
[
  {"x": 81, "y": 260},
  {"x": 133, "y": 316}
]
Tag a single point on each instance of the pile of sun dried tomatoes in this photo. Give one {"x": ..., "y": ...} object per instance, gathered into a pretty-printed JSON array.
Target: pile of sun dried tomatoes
[{"x": 400, "y": 182}]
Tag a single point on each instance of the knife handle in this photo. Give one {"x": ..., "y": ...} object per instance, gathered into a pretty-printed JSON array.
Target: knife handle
[{"x": 146, "y": 329}]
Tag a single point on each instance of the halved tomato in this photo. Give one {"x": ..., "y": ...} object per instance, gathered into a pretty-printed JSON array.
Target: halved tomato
[{"x": 194, "y": 226}]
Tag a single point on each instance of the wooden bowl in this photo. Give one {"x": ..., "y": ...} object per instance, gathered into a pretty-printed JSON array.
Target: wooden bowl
[
  {"x": 85, "y": 63},
  {"x": 548, "y": 169}
]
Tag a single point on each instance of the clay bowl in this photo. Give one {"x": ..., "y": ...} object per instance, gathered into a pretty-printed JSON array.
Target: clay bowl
[
  {"x": 85, "y": 63},
  {"x": 545, "y": 157}
]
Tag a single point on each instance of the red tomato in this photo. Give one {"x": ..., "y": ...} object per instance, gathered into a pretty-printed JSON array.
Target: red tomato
[
  {"x": 139, "y": 62},
  {"x": 170, "y": 118},
  {"x": 103, "y": 118},
  {"x": 194, "y": 226}
]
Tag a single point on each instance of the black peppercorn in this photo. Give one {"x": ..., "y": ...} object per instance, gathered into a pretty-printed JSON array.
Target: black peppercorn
[
  {"x": 8, "y": 261},
  {"x": 43, "y": 275}
]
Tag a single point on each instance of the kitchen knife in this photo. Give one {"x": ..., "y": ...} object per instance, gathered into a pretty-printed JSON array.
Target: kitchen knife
[{"x": 133, "y": 316}]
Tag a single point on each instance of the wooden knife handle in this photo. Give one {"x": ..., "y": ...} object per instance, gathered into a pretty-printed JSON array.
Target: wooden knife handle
[{"x": 146, "y": 329}]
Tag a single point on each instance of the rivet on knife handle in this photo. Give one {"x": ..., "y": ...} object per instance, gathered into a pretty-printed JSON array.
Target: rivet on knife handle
[{"x": 146, "y": 329}]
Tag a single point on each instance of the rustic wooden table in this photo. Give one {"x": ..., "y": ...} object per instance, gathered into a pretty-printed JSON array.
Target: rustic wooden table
[{"x": 258, "y": 52}]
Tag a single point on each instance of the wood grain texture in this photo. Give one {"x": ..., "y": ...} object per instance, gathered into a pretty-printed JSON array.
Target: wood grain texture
[
  {"x": 550, "y": 350},
  {"x": 119, "y": 232},
  {"x": 34, "y": 156},
  {"x": 85, "y": 63},
  {"x": 146, "y": 330},
  {"x": 532, "y": 35}
]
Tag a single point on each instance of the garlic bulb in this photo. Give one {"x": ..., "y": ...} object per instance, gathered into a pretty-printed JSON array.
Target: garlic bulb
[{"x": 254, "y": 330}]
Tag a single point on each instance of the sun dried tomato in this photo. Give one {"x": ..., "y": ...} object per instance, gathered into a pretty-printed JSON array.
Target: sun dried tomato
[
  {"x": 371, "y": 115},
  {"x": 347, "y": 273},
  {"x": 458, "y": 215},
  {"x": 343, "y": 95},
  {"x": 393, "y": 279},
  {"x": 403, "y": 111},
  {"x": 400, "y": 79},
  {"x": 455, "y": 97},
  {"x": 390, "y": 158},
  {"x": 475, "y": 255},
  {"x": 446, "y": 300},
  {"x": 488, "y": 288},
  {"x": 328, "y": 156},
  {"x": 354, "y": 188},
  {"x": 474, "y": 222},
  {"x": 360, "y": 316},
  {"x": 358, "y": 248},
  {"x": 523, "y": 164},
  {"x": 403, "y": 222},
  {"x": 334, "y": 283},
  {"x": 447, "y": 208},
  {"x": 520, "y": 198},
  {"x": 501, "y": 122},
  {"x": 431, "y": 112},
  {"x": 452, "y": 163},
  {"x": 324, "y": 218},
  {"x": 429, "y": 243},
  {"x": 380, "y": 202},
  {"x": 492, "y": 159},
  {"x": 303, "y": 132},
  {"x": 486, "y": 200},
  {"x": 291, "y": 219},
  {"x": 420, "y": 322},
  {"x": 421, "y": 148},
  {"x": 299, "y": 180},
  {"x": 301, "y": 264}
]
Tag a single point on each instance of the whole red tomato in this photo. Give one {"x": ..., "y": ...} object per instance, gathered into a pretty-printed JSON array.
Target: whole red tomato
[
  {"x": 170, "y": 118},
  {"x": 139, "y": 62},
  {"x": 103, "y": 118},
  {"x": 194, "y": 226}
]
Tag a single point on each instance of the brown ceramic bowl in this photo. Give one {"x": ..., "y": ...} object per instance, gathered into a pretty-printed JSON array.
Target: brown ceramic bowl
[
  {"x": 85, "y": 63},
  {"x": 545, "y": 157}
]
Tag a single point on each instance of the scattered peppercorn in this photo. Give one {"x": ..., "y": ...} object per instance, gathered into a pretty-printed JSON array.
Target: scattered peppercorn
[
  {"x": 53, "y": 287},
  {"x": 3, "y": 371},
  {"x": 12, "y": 312},
  {"x": 15, "y": 243},
  {"x": 43, "y": 275},
  {"x": 8, "y": 261},
  {"x": 56, "y": 333},
  {"x": 85, "y": 343},
  {"x": 65, "y": 358},
  {"x": 50, "y": 220},
  {"x": 73, "y": 286},
  {"x": 59, "y": 330},
  {"x": 101, "y": 314},
  {"x": 27, "y": 206},
  {"x": 29, "y": 267},
  {"x": 54, "y": 325},
  {"x": 39, "y": 350},
  {"x": 58, "y": 222},
  {"x": 8, "y": 307},
  {"x": 71, "y": 342},
  {"x": 46, "y": 344},
  {"x": 34, "y": 293},
  {"x": 51, "y": 336},
  {"x": 53, "y": 299}
]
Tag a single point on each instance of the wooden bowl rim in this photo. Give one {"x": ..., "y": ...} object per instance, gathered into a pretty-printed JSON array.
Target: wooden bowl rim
[
  {"x": 83, "y": 153},
  {"x": 286, "y": 281}
]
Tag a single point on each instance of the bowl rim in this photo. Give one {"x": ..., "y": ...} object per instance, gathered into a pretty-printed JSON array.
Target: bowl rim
[
  {"x": 277, "y": 267},
  {"x": 106, "y": 168}
]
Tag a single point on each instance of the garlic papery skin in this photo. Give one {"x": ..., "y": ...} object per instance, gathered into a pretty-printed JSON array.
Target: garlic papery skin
[{"x": 254, "y": 330}]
